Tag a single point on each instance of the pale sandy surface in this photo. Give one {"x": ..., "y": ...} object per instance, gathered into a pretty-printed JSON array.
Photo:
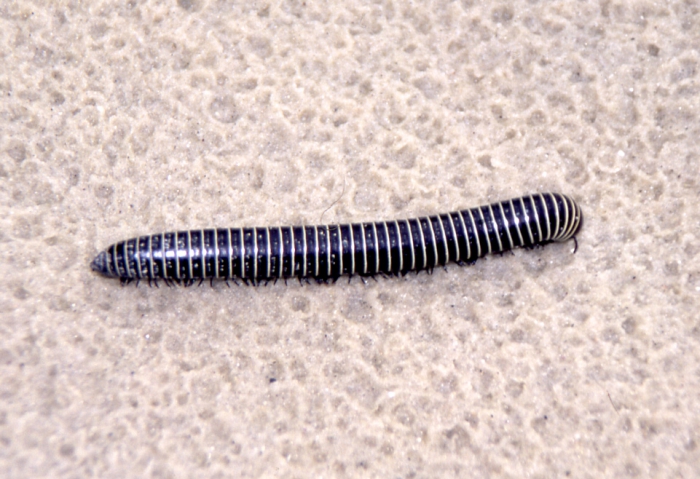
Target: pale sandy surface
[{"x": 131, "y": 117}]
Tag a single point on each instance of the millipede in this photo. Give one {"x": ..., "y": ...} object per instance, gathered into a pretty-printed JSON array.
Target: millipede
[{"x": 326, "y": 252}]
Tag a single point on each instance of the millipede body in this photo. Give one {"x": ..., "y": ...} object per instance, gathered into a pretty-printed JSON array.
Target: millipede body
[{"x": 327, "y": 252}]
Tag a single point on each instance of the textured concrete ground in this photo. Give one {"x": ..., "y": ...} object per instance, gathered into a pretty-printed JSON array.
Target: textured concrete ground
[{"x": 121, "y": 118}]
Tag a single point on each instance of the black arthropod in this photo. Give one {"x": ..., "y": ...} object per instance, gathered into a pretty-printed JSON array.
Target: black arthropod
[{"x": 327, "y": 252}]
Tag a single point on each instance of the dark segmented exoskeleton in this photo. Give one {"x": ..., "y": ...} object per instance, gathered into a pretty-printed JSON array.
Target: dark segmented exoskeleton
[{"x": 327, "y": 252}]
